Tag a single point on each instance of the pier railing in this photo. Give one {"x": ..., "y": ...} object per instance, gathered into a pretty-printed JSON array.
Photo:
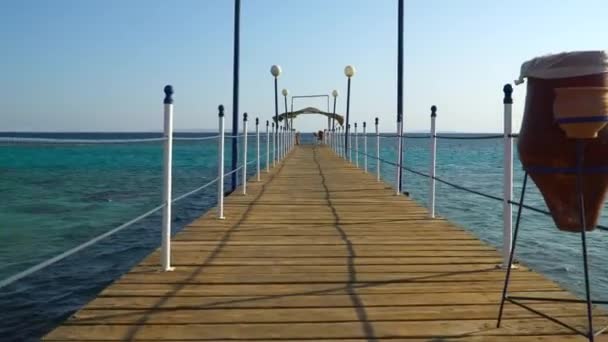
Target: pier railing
[
  {"x": 337, "y": 142},
  {"x": 284, "y": 142}
]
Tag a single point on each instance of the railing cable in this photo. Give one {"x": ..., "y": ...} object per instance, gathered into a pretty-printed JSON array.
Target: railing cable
[{"x": 459, "y": 187}]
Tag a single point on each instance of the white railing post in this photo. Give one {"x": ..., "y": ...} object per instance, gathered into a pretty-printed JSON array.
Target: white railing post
[
  {"x": 433, "y": 161},
  {"x": 398, "y": 174},
  {"x": 274, "y": 146},
  {"x": 257, "y": 149},
  {"x": 364, "y": 146},
  {"x": 167, "y": 166},
  {"x": 507, "y": 235},
  {"x": 340, "y": 142},
  {"x": 244, "y": 153},
  {"x": 377, "y": 152},
  {"x": 280, "y": 143},
  {"x": 267, "y": 147},
  {"x": 285, "y": 141},
  {"x": 350, "y": 143},
  {"x": 333, "y": 139},
  {"x": 338, "y": 152},
  {"x": 337, "y": 142},
  {"x": 356, "y": 146},
  {"x": 220, "y": 165}
]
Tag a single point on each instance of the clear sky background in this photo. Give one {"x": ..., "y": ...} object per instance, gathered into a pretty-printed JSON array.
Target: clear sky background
[{"x": 75, "y": 65}]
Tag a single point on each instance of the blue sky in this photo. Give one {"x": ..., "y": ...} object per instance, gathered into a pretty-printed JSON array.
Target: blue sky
[{"x": 73, "y": 65}]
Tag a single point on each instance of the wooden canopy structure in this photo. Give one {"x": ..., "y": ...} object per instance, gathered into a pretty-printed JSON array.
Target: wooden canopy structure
[{"x": 311, "y": 110}]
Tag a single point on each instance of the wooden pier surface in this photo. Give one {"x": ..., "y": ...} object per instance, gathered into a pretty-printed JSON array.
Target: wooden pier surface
[{"x": 321, "y": 251}]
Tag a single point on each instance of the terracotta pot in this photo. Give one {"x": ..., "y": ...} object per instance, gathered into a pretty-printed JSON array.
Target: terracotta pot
[
  {"x": 543, "y": 144},
  {"x": 581, "y": 111}
]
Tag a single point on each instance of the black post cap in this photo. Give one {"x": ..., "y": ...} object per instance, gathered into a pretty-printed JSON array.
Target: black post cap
[
  {"x": 508, "y": 90},
  {"x": 364, "y": 124},
  {"x": 257, "y": 121},
  {"x": 376, "y": 120},
  {"x": 433, "y": 111},
  {"x": 244, "y": 116},
  {"x": 273, "y": 125},
  {"x": 168, "y": 94},
  {"x": 348, "y": 126},
  {"x": 355, "y": 125},
  {"x": 267, "y": 123},
  {"x": 220, "y": 108}
]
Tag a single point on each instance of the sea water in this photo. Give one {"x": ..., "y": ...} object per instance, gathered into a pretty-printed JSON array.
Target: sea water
[{"x": 55, "y": 197}]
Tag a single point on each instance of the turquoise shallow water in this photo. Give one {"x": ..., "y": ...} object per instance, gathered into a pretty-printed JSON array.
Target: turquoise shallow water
[{"x": 56, "y": 197}]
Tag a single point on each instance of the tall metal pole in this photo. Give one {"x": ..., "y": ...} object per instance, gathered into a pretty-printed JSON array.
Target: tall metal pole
[
  {"x": 347, "y": 118},
  {"x": 377, "y": 151},
  {"x": 349, "y": 141},
  {"x": 333, "y": 126},
  {"x": 433, "y": 161},
  {"x": 333, "y": 122},
  {"x": 280, "y": 143},
  {"x": 286, "y": 120},
  {"x": 400, "y": 95},
  {"x": 274, "y": 145},
  {"x": 276, "y": 115},
  {"x": 267, "y": 147},
  {"x": 235, "y": 91},
  {"x": 507, "y": 207},
  {"x": 356, "y": 146},
  {"x": 287, "y": 123},
  {"x": 291, "y": 110},
  {"x": 257, "y": 148},
  {"x": 244, "y": 154},
  {"x": 220, "y": 165},
  {"x": 328, "y": 123}
]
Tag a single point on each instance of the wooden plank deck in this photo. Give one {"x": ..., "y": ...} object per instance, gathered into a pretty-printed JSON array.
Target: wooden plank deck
[{"x": 321, "y": 251}]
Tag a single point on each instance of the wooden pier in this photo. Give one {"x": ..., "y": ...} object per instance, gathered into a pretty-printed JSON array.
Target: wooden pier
[{"x": 321, "y": 251}]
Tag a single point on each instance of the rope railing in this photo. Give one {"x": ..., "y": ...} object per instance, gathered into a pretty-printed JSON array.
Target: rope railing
[
  {"x": 23, "y": 140},
  {"x": 196, "y": 138},
  {"x": 443, "y": 136},
  {"x": 168, "y": 201},
  {"x": 475, "y": 137},
  {"x": 109, "y": 233},
  {"x": 36, "y": 140},
  {"x": 343, "y": 150},
  {"x": 463, "y": 188},
  {"x": 69, "y": 141}
]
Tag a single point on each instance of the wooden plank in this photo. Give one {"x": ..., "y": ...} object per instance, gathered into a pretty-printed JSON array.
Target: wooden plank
[
  {"x": 318, "y": 250},
  {"x": 305, "y": 330}
]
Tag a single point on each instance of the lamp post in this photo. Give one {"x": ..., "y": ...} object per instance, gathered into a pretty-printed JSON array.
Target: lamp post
[
  {"x": 275, "y": 71},
  {"x": 285, "y": 92},
  {"x": 349, "y": 72},
  {"x": 334, "y": 93},
  {"x": 400, "y": 97},
  {"x": 235, "y": 90}
]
